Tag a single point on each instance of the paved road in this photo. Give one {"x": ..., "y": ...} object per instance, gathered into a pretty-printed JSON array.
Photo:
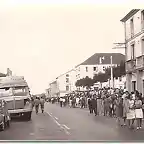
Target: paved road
[{"x": 68, "y": 124}]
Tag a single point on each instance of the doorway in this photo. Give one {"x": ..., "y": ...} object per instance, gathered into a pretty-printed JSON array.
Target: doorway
[{"x": 133, "y": 85}]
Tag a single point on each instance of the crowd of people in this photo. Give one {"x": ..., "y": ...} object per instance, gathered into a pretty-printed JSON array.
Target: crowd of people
[{"x": 124, "y": 106}]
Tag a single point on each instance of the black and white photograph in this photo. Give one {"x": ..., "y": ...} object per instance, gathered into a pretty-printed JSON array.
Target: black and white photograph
[{"x": 71, "y": 70}]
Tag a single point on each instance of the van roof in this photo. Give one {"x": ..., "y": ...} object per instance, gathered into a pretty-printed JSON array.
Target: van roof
[{"x": 12, "y": 81}]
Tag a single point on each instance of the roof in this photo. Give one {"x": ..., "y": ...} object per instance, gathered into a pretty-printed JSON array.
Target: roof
[
  {"x": 129, "y": 15},
  {"x": 53, "y": 82},
  {"x": 65, "y": 73},
  {"x": 12, "y": 81},
  {"x": 95, "y": 59}
]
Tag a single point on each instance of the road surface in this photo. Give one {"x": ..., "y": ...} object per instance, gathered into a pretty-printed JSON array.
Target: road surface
[{"x": 69, "y": 124}]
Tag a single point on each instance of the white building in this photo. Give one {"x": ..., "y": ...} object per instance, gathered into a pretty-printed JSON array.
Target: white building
[
  {"x": 98, "y": 63},
  {"x": 66, "y": 82},
  {"x": 53, "y": 90},
  {"x": 134, "y": 39}
]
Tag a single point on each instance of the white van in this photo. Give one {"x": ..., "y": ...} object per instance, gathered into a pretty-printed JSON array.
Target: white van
[{"x": 15, "y": 91}]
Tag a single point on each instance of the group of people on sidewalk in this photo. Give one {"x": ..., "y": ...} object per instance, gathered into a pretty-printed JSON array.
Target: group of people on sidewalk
[
  {"x": 120, "y": 104},
  {"x": 124, "y": 106}
]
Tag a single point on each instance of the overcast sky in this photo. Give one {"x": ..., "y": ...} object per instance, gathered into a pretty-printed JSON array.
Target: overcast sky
[{"x": 42, "y": 39}]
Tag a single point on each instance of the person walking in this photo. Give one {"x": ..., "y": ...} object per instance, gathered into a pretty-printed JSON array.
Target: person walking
[
  {"x": 131, "y": 111},
  {"x": 61, "y": 101},
  {"x": 106, "y": 105},
  {"x": 94, "y": 105},
  {"x": 119, "y": 109},
  {"x": 138, "y": 112},
  {"x": 42, "y": 101},
  {"x": 90, "y": 105},
  {"x": 36, "y": 104}
]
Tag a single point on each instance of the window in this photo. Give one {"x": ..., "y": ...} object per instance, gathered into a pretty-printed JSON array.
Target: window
[
  {"x": 67, "y": 88},
  {"x": 86, "y": 69},
  {"x": 133, "y": 85},
  {"x": 20, "y": 91},
  {"x": 120, "y": 78},
  {"x": 132, "y": 27},
  {"x": 67, "y": 80},
  {"x": 94, "y": 68},
  {"x": 104, "y": 68},
  {"x": 142, "y": 45},
  {"x": 142, "y": 19},
  {"x": 67, "y": 75},
  {"x": 132, "y": 51}
]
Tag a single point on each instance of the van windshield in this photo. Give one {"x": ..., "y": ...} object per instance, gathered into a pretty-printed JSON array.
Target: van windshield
[
  {"x": 16, "y": 91},
  {"x": 20, "y": 91},
  {"x": 5, "y": 92}
]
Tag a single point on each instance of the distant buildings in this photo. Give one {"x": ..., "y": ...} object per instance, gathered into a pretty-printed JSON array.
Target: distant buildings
[
  {"x": 65, "y": 83},
  {"x": 54, "y": 89},
  {"x": 134, "y": 39},
  {"x": 97, "y": 63}
]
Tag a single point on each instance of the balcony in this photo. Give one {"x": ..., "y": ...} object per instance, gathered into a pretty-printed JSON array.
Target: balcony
[
  {"x": 131, "y": 66},
  {"x": 140, "y": 63}
]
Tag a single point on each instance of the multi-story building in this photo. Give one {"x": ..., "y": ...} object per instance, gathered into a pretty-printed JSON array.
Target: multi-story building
[
  {"x": 134, "y": 52},
  {"x": 66, "y": 82},
  {"x": 97, "y": 63},
  {"x": 53, "y": 90}
]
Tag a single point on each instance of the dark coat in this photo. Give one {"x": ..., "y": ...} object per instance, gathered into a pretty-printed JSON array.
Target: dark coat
[{"x": 94, "y": 103}]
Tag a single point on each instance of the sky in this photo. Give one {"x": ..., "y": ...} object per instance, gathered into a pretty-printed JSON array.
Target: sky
[{"x": 42, "y": 39}]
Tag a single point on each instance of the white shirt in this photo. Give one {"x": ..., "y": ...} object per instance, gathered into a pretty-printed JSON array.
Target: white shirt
[{"x": 77, "y": 100}]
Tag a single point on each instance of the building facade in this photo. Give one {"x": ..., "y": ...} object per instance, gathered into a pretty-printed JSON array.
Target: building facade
[
  {"x": 98, "y": 63},
  {"x": 66, "y": 82},
  {"x": 53, "y": 90},
  {"x": 134, "y": 42}
]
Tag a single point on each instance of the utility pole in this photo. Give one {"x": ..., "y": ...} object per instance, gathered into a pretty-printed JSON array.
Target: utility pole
[
  {"x": 121, "y": 46},
  {"x": 112, "y": 82}
]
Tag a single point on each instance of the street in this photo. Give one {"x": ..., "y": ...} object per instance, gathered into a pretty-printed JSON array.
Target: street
[{"x": 69, "y": 124}]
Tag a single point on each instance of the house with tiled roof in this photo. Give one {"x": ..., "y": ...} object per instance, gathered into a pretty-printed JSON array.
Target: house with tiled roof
[{"x": 98, "y": 63}]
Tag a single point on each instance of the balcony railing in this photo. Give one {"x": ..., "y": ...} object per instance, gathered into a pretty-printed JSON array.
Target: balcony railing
[
  {"x": 130, "y": 65},
  {"x": 140, "y": 63},
  {"x": 135, "y": 64}
]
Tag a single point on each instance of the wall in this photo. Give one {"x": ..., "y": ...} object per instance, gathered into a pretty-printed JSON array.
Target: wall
[
  {"x": 137, "y": 40},
  {"x": 53, "y": 89},
  {"x": 81, "y": 70},
  {"x": 62, "y": 81}
]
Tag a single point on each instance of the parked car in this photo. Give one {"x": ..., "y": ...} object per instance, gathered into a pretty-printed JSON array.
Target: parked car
[{"x": 4, "y": 115}]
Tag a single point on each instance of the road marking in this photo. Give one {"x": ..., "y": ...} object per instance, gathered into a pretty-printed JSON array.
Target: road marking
[
  {"x": 57, "y": 123},
  {"x": 66, "y": 127},
  {"x": 61, "y": 126},
  {"x": 31, "y": 133},
  {"x": 56, "y": 118}
]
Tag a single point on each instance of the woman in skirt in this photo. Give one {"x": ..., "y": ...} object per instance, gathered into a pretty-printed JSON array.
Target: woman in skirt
[
  {"x": 138, "y": 112},
  {"x": 119, "y": 109},
  {"x": 131, "y": 112}
]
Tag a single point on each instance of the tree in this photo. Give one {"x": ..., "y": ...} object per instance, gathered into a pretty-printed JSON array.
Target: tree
[
  {"x": 88, "y": 82},
  {"x": 101, "y": 77},
  {"x": 118, "y": 71},
  {"x": 85, "y": 82}
]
